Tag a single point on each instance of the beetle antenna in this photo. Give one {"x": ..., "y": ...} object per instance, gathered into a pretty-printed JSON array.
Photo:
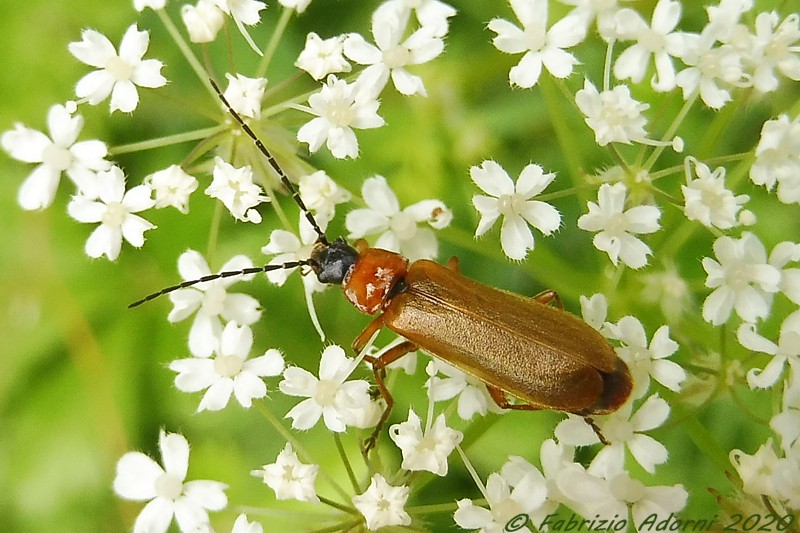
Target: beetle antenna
[
  {"x": 220, "y": 275},
  {"x": 281, "y": 174}
]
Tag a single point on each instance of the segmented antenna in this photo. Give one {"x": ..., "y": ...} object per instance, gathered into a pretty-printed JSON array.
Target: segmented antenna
[
  {"x": 220, "y": 275},
  {"x": 286, "y": 183},
  {"x": 284, "y": 179}
]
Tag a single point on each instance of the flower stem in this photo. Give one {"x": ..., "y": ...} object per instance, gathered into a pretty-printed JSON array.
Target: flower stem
[
  {"x": 299, "y": 449},
  {"x": 346, "y": 462},
  {"x": 161, "y": 142},
  {"x": 269, "y": 52},
  {"x": 186, "y": 51}
]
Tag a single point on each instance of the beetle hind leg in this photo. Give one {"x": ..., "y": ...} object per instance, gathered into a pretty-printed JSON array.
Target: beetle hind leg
[
  {"x": 502, "y": 402},
  {"x": 596, "y": 429},
  {"x": 549, "y": 296}
]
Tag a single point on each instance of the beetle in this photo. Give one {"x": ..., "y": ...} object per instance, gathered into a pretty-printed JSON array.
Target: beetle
[{"x": 521, "y": 347}]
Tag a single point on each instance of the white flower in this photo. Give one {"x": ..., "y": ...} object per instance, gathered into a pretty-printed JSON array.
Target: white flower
[
  {"x": 139, "y": 5},
  {"x": 786, "y": 350},
  {"x": 431, "y": 14},
  {"x": 645, "y": 361},
  {"x": 321, "y": 194},
  {"x": 757, "y": 470},
  {"x": 119, "y": 74},
  {"x": 243, "y": 12},
  {"x": 707, "y": 199},
  {"x": 234, "y": 187},
  {"x": 230, "y": 372},
  {"x": 658, "y": 40},
  {"x": 723, "y": 20},
  {"x": 540, "y": 45},
  {"x": 623, "y": 429},
  {"x": 54, "y": 155},
  {"x": 390, "y": 56},
  {"x": 594, "y": 311},
  {"x": 211, "y": 301},
  {"x": 473, "y": 398},
  {"x": 202, "y": 21},
  {"x": 340, "y": 107},
  {"x": 778, "y": 158},
  {"x": 139, "y": 478},
  {"x": 607, "y": 495},
  {"x": 289, "y": 478},
  {"x": 298, "y": 5},
  {"x": 172, "y": 187},
  {"x": 321, "y": 57},
  {"x": 398, "y": 229},
  {"x": 383, "y": 504},
  {"x": 245, "y": 94},
  {"x": 554, "y": 459},
  {"x": 784, "y": 253},
  {"x": 741, "y": 279},
  {"x": 428, "y": 450},
  {"x": 114, "y": 209},
  {"x": 786, "y": 423},
  {"x": 600, "y": 11},
  {"x": 508, "y": 502},
  {"x": 612, "y": 115},
  {"x": 242, "y": 525},
  {"x": 513, "y": 202},
  {"x": 706, "y": 65},
  {"x": 330, "y": 396},
  {"x": 775, "y": 48},
  {"x": 617, "y": 226}
]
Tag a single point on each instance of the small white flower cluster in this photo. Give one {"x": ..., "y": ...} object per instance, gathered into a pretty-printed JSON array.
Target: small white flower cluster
[
  {"x": 341, "y": 106},
  {"x": 602, "y": 491}
]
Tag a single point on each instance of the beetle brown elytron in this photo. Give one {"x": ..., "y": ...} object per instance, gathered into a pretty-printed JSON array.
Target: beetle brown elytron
[{"x": 522, "y": 347}]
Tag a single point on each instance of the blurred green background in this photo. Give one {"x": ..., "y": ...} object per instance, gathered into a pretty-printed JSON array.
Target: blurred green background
[{"x": 84, "y": 379}]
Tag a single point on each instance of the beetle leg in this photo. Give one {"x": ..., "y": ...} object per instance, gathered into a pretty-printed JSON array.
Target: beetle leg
[
  {"x": 500, "y": 399},
  {"x": 379, "y": 365},
  {"x": 596, "y": 429},
  {"x": 452, "y": 264},
  {"x": 502, "y": 402},
  {"x": 548, "y": 297},
  {"x": 363, "y": 338}
]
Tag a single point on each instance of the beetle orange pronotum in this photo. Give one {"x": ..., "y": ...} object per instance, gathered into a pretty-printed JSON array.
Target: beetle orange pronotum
[{"x": 523, "y": 347}]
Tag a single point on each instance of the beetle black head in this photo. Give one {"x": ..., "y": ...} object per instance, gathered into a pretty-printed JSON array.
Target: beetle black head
[{"x": 332, "y": 261}]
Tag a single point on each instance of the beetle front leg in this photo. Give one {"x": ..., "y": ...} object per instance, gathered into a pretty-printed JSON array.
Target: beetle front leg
[{"x": 379, "y": 365}]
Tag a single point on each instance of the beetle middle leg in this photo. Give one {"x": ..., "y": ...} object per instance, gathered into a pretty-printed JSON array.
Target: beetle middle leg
[{"x": 548, "y": 297}]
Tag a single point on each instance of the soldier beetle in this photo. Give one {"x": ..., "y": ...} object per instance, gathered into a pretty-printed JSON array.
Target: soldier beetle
[{"x": 525, "y": 348}]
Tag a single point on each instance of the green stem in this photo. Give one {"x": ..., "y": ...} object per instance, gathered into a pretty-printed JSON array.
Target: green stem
[
  {"x": 298, "y": 448},
  {"x": 283, "y": 21},
  {"x": 350, "y": 474},
  {"x": 168, "y": 140},
  {"x": 567, "y": 141},
  {"x": 434, "y": 508},
  {"x": 670, "y": 133},
  {"x": 186, "y": 51},
  {"x": 706, "y": 442}
]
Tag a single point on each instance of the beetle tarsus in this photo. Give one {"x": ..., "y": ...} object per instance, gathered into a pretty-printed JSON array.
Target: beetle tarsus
[{"x": 596, "y": 429}]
